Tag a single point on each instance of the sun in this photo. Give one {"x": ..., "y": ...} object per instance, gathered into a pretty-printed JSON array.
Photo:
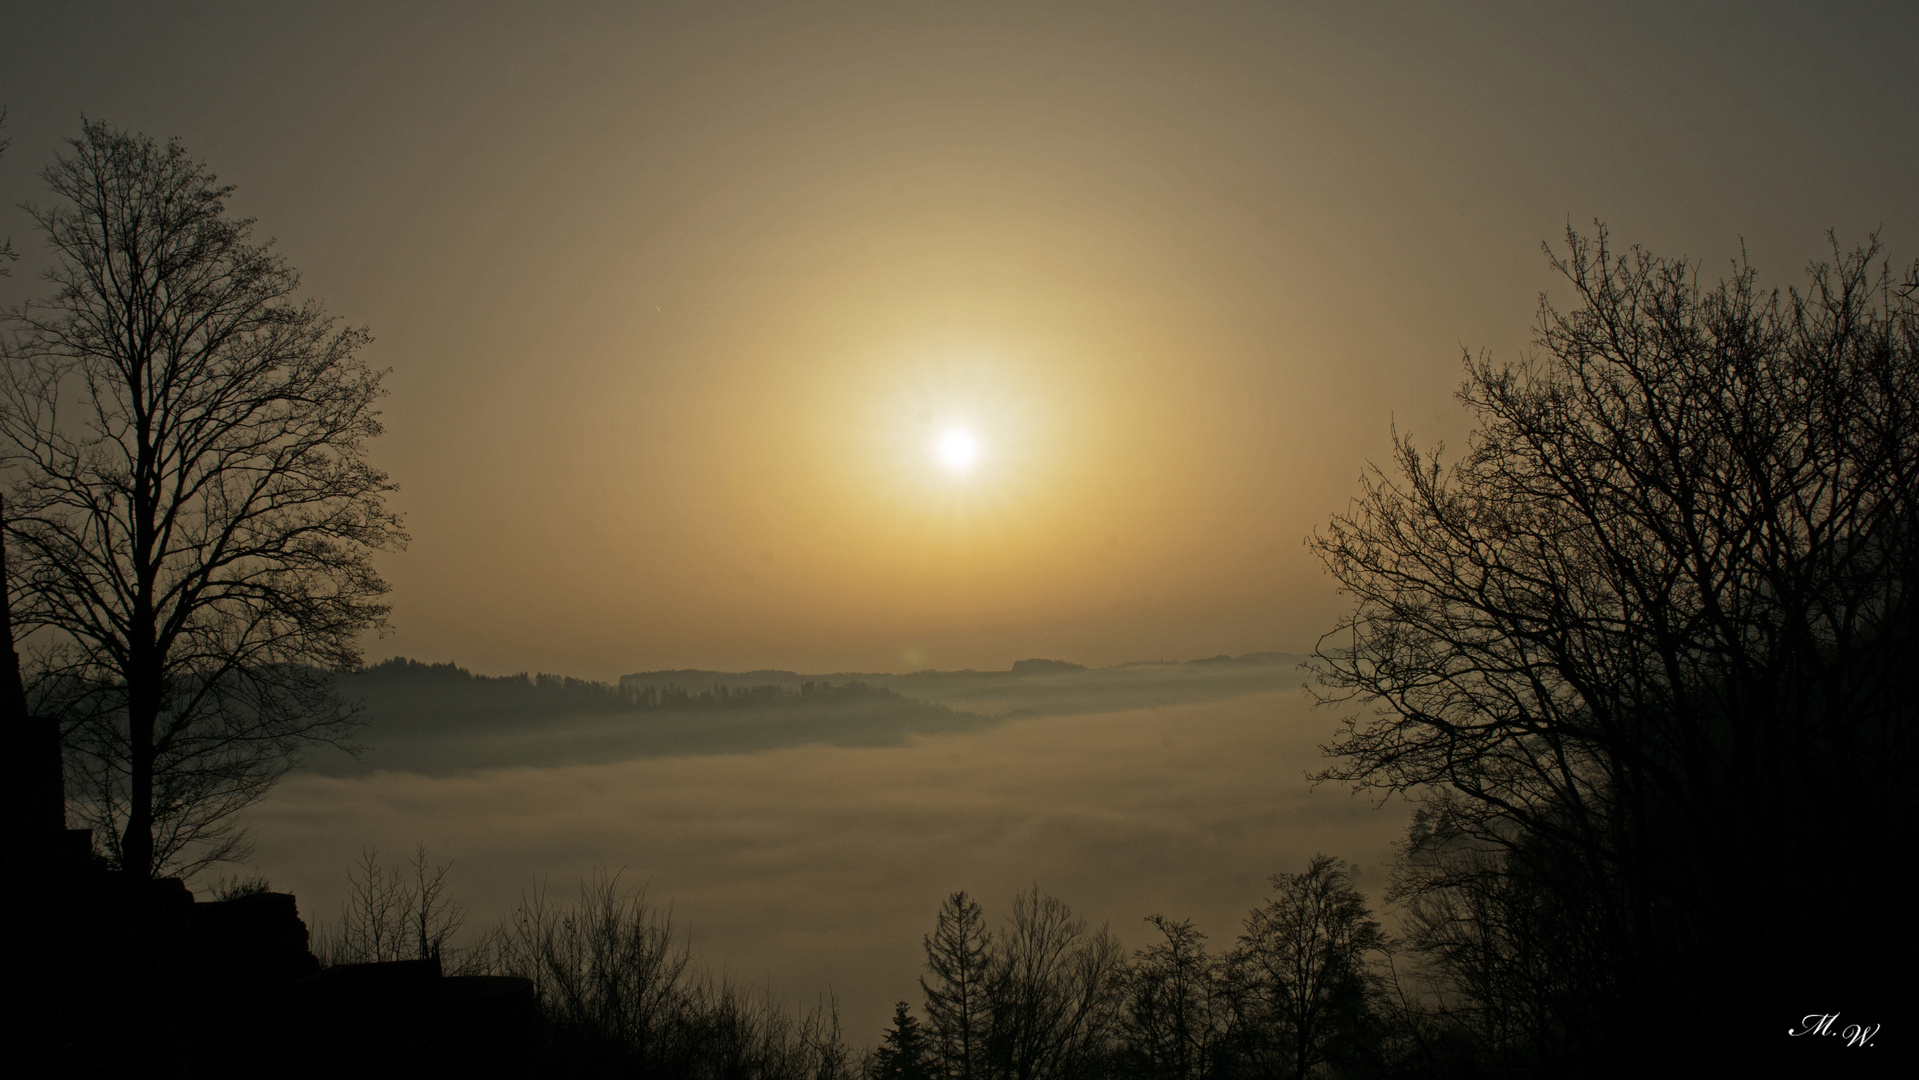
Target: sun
[{"x": 957, "y": 450}]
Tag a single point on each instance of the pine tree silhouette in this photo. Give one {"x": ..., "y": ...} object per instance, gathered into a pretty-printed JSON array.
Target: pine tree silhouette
[{"x": 904, "y": 1053}]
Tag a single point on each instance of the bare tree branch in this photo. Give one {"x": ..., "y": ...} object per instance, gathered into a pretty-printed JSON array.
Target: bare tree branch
[{"x": 196, "y": 536}]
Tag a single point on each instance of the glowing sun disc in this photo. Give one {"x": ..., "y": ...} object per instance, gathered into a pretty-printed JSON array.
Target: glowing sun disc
[{"x": 958, "y": 450}]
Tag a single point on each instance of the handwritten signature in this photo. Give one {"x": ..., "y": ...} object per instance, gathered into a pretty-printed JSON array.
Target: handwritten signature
[{"x": 1828, "y": 1024}]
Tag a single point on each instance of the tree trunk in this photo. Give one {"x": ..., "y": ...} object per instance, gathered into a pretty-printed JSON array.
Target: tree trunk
[{"x": 143, "y": 710}]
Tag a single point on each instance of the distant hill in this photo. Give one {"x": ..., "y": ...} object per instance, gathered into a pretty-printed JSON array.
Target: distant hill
[
  {"x": 1040, "y": 686},
  {"x": 441, "y": 718},
  {"x": 1037, "y": 666}
]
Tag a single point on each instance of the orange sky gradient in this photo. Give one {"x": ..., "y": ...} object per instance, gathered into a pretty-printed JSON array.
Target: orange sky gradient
[{"x": 677, "y": 297}]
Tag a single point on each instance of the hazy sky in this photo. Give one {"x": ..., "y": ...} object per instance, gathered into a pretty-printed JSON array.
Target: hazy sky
[
  {"x": 679, "y": 301},
  {"x": 678, "y": 298}
]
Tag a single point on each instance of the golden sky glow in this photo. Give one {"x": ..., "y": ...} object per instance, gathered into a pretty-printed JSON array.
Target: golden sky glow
[
  {"x": 687, "y": 305},
  {"x": 679, "y": 300},
  {"x": 958, "y": 449}
]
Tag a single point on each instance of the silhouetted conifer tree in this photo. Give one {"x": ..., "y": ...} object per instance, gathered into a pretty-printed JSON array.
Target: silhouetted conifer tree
[{"x": 906, "y": 1051}]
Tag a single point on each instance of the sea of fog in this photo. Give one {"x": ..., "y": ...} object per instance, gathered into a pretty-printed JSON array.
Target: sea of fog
[{"x": 817, "y": 868}]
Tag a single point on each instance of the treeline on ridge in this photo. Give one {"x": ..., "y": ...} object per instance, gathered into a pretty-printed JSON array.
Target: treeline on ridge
[
  {"x": 438, "y": 719},
  {"x": 564, "y": 694}
]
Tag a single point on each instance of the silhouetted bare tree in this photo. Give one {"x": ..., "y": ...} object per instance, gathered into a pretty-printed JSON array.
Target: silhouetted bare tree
[
  {"x": 960, "y": 963},
  {"x": 1176, "y": 1007},
  {"x": 194, "y": 538},
  {"x": 1054, "y": 994},
  {"x": 616, "y": 993},
  {"x": 1302, "y": 982},
  {"x": 373, "y": 917},
  {"x": 7, "y": 254},
  {"x": 607, "y": 968},
  {"x": 1514, "y": 958},
  {"x": 392, "y": 914},
  {"x": 433, "y": 917},
  {"x": 1656, "y": 628}
]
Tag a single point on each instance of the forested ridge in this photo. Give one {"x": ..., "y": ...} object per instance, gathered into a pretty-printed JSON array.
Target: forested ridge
[
  {"x": 540, "y": 692},
  {"x": 440, "y": 719}
]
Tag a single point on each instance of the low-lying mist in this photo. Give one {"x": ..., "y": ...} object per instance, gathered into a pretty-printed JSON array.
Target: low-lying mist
[{"x": 817, "y": 868}]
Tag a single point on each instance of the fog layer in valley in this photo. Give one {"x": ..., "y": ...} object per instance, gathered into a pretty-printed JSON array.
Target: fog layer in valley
[{"x": 818, "y": 867}]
